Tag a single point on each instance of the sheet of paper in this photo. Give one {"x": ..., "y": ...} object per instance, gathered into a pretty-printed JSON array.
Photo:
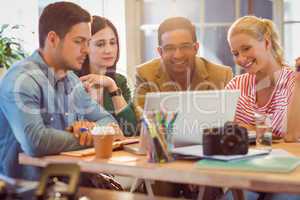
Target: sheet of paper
[{"x": 197, "y": 151}]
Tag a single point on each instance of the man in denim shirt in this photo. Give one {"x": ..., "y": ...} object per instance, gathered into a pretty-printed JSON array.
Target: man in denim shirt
[{"x": 41, "y": 97}]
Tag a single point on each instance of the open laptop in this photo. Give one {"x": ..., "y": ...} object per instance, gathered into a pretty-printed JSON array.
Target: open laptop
[{"x": 197, "y": 110}]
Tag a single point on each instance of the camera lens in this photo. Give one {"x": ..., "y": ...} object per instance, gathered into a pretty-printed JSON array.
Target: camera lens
[{"x": 230, "y": 144}]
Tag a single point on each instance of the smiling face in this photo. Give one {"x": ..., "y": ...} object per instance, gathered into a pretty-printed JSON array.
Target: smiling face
[
  {"x": 178, "y": 51},
  {"x": 249, "y": 53},
  {"x": 103, "y": 49}
]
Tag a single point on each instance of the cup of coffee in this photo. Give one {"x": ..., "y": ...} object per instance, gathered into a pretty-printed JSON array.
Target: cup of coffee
[{"x": 103, "y": 137}]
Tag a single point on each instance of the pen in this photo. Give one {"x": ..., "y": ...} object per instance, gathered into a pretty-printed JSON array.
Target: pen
[
  {"x": 83, "y": 129},
  {"x": 171, "y": 123}
]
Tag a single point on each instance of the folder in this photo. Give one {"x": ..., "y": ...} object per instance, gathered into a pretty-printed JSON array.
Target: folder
[{"x": 269, "y": 163}]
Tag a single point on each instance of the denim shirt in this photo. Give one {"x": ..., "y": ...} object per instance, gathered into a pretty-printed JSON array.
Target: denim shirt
[{"x": 35, "y": 109}]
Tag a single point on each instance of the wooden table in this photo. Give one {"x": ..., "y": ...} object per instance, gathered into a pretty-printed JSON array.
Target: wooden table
[
  {"x": 182, "y": 171},
  {"x": 95, "y": 194}
]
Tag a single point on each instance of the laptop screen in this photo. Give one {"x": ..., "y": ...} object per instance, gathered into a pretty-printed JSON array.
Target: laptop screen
[{"x": 196, "y": 110}]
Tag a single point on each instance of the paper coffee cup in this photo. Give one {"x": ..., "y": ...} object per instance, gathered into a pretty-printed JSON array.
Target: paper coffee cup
[{"x": 103, "y": 139}]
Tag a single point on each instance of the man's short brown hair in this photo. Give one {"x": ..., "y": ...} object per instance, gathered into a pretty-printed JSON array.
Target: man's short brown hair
[
  {"x": 60, "y": 17},
  {"x": 175, "y": 23}
]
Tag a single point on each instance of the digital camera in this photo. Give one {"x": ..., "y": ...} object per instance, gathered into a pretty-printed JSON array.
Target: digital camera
[{"x": 231, "y": 139}]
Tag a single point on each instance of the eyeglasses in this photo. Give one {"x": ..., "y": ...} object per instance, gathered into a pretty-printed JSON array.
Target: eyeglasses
[{"x": 184, "y": 48}]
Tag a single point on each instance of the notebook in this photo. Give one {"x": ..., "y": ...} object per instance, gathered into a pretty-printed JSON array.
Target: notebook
[
  {"x": 91, "y": 151},
  {"x": 276, "y": 162},
  {"x": 196, "y": 110}
]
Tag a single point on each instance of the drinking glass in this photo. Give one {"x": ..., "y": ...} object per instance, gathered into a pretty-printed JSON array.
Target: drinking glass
[{"x": 263, "y": 125}]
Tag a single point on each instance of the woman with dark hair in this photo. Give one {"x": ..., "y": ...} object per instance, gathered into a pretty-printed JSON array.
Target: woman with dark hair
[{"x": 99, "y": 77}]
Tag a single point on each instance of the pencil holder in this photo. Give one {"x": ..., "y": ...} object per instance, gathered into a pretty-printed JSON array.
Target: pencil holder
[{"x": 157, "y": 146}]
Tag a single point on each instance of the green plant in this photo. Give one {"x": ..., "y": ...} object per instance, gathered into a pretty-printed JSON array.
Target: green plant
[{"x": 10, "y": 47}]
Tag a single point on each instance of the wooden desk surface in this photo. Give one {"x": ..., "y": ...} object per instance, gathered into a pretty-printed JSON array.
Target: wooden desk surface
[
  {"x": 182, "y": 171},
  {"x": 95, "y": 194}
]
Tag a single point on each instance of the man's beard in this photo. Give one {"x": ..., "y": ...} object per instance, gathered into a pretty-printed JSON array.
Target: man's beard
[{"x": 63, "y": 64}]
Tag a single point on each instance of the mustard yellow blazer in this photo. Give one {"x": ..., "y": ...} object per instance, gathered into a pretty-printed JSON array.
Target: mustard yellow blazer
[{"x": 152, "y": 77}]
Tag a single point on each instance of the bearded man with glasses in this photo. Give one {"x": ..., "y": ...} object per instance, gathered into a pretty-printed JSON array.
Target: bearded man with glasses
[{"x": 178, "y": 68}]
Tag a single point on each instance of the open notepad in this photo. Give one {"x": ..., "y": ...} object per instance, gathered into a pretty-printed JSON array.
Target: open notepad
[{"x": 91, "y": 151}]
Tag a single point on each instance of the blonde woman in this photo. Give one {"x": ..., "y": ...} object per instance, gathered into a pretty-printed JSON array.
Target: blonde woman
[{"x": 268, "y": 85}]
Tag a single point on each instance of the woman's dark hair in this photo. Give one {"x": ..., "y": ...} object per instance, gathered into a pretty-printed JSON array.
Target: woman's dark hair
[{"x": 99, "y": 23}]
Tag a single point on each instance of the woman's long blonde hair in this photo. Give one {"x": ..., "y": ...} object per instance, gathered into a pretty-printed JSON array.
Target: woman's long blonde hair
[{"x": 259, "y": 28}]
